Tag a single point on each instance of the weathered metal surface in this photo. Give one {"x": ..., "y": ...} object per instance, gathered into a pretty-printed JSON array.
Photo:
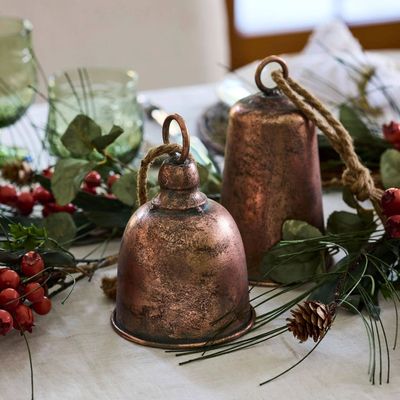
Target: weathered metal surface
[
  {"x": 271, "y": 171},
  {"x": 182, "y": 277}
]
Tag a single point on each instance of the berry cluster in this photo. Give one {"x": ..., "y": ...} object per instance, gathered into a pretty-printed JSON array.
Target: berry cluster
[
  {"x": 93, "y": 182},
  {"x": 391, "y": 132},
  {"x": 22, "y": 293},
  {"x": 391, "y": 208},
  {"x": 24, "y": 200}
]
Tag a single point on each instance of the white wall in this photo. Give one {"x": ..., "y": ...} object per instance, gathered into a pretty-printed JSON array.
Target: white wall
[{"x": 168, "y": 42}]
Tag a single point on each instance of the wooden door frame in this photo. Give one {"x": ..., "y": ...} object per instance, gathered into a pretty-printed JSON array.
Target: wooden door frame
[{"x": 246, "y": 49}]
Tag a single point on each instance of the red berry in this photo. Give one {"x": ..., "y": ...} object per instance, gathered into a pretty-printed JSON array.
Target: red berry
[
  {"x": 42, "y": 307},
  {"x": 9, "y": 278},
  {"x": 392, "y": 226},
  {"x": 391, "y": 133},
  {"x": 31, "y": 263},
  {"x": 48, "y": 209},
  {"x": 25, "y": 203},
  {"x": 34, "y": 292},
  {"x": 47, "y": 173},
  {"x": 51, "y": 208},
  {"x": 93, "y": 179},
  {"x": 23, "y": 318},
  {"x": 390, "y": 202},
  {"x": 9, "y": 299},
  {"x": 89, "y": 189},
  {"x": 112, "y": 179},
  {"x": 6, "y": 322},
  {"x": 42, "y": 196},
  {"x": 8, "y": 195},
  {"x": 68, "y": 208}
]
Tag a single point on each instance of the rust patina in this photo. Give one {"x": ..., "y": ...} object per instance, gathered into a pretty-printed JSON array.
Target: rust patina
[
  {"x": 182, "y": 277},
  {"x": 271, "y": 170}
]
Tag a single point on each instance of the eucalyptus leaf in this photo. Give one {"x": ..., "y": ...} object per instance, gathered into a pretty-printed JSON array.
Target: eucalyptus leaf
[
  {"x": 88, "y": 202},
  {"x": 60, "y": 227},
  {"x": 79, "y": 135},
  {"x": 347, "y": 222},
  {"x": 58, "y": 258},
  {"x": 109, "y": 219},
  {"x": 295, "y": 262},
  {"x": 353, "y": 123},
  {"x": 390, "y": 168},
  {"x": 125, "y": 188},
  {"x": 101, "y": 142},
  {"x": 344, "y": 221},
  {"x": 210, "y": 179},
  {"x": 67, "y": 178},
  {"x": 348, "y": 198},
  {"x": 11, "y": 257},
  {"x": 293, "y": 229}
]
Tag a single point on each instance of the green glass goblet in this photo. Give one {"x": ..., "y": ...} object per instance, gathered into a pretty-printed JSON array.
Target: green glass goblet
[
  {"x": 17, "y": 69},
  {"x": 107, "y": 95}
]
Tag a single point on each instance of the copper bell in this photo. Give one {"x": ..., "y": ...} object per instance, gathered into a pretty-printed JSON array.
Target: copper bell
[
  {"x": 272, "y": 170},
  {"x": 182, "y": 277}
]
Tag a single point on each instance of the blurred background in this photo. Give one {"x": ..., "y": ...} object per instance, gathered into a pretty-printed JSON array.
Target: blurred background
[{"x": 180, "y": 42}]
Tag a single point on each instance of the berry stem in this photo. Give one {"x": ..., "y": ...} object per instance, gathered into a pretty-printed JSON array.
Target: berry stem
[{"x": 30, "y": 364}]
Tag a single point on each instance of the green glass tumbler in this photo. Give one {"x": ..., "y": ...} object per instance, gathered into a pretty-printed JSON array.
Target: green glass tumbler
[
  {"x": 107, "y": 95},
  {"x": 17, "y": 69}
]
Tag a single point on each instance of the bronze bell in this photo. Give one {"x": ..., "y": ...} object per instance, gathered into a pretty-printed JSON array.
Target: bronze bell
[
  {"x": 272, "y": 170},
  {"x": 182, "y": 277}
]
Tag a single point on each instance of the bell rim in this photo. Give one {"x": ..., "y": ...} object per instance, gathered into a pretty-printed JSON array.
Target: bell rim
[{"x": 176, "y": 346}]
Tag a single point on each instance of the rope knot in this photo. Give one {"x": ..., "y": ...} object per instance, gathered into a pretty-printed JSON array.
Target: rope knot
[{"x": 359, "y": 181}]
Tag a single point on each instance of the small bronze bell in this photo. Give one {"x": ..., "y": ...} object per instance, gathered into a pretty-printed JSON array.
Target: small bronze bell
[
  {"x": 182, "y": 277},
  {"x": 271, "y": 170}
]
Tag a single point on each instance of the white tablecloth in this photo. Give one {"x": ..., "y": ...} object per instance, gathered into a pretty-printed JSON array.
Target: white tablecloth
[{"x": 77, "y": 355}]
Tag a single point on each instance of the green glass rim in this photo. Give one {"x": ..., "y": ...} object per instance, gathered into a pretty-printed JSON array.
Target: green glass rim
[
  {"x": 11, "y": 26},
  {"x": 125, "y": 75}
]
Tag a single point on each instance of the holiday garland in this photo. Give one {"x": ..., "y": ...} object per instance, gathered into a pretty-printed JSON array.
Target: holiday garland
[{"x": 91, "y": 193}]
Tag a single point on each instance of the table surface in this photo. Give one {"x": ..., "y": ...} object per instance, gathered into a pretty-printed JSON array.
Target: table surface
[{"x": 77, "y": 355}]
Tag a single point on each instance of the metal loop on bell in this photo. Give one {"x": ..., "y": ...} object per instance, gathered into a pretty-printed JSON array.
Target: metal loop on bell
[
  {"x": 184, "y": 132},
  {"x": 262, "y": 65}
]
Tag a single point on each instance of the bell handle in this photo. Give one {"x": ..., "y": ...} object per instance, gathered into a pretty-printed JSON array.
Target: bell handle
[
  {"x": 184, "y": 132},
  {"x": 262, "y": 65}
]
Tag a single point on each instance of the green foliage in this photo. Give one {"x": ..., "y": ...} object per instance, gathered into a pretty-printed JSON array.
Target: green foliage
[
  {"x": 79, "y": 136},
  {"x": 390, "y": 168},
  {"x": 102, "y": 142},
  {"x": 61, "y": 227},
  {"x": 353, "y": 123},
  {"x": 294, "y": 260},
  {"x": 368, "y": 144},
  {"x": 22, "y": 238},
  {"x": 346, "y": 222},
  {"x": 125, "y": 188},
  {"x": 25, "y": 237},
  {"x": 210, "y": 180},
  {"x": 293, "y": 229},
  {"x": 68, "y": 177},
  {"x": 343, "y": 222}
]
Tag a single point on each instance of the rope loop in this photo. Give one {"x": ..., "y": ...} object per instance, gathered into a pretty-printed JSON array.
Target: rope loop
[
  {"x": 356, "y": 176},
  {"x": 166, "y": 148}
]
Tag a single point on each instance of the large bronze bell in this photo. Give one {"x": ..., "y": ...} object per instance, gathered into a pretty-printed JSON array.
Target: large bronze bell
[
  {"x": 182, "y": 277},
  {"x": 271, "y": 170}
]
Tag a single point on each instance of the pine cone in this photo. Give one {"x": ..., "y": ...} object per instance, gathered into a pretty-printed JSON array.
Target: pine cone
[
  {"x": 18, "y": 172},
  {"x": 310, "y": 320}
]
